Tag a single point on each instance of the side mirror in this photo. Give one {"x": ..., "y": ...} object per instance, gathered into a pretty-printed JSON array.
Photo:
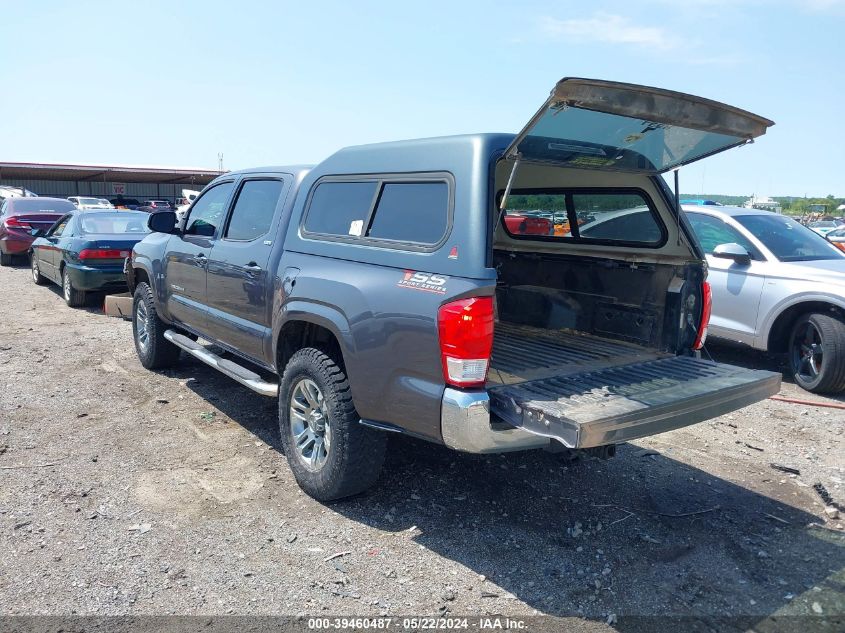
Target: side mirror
[
  {"x": 163, "y": 222},
  {"x": 37, "y": 233},
  {"x": 733, "y": 251}
]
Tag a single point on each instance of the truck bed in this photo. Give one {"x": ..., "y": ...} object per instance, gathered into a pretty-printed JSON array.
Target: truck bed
[
  {"x": 522, "y": 353},
  {"x": 586, "y": 391}
]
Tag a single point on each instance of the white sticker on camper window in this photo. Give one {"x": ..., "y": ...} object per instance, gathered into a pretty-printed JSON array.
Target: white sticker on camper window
[{"x": 356, "y": 227}]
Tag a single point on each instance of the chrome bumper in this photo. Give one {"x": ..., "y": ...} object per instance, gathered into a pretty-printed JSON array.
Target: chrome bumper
[{"x": 465, "y": 426}]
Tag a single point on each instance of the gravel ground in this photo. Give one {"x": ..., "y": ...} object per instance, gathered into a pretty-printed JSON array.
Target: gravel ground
[{"x": 131, "y": 492}]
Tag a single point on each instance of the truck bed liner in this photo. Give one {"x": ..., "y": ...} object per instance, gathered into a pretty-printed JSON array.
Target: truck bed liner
[
  {"x": 523, "y": 352},
  {"x": 616, "y": 404}
]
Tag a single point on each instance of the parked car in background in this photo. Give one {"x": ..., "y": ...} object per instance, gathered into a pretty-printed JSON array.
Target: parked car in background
[
  {"x": 125, "y": 203},
  {"x": 83, "y": 202},
  {"x": 20, "y": 216},
  {"x": 777, "y": 286},
  {"x": 184, "y": 203},
  {"x": 85, "y": 251},
  {"x": 7, "y": 191},
  {"x": 823, "y": 227},
  {"x": 151, "y": 206},
  {"x": 524, "y": 224},
  {"x": 837, "y": 238},
  {"x": 702, "y": 202}
]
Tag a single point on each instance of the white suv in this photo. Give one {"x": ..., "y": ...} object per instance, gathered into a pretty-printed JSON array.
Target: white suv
[{"x": 777, "y": 286}]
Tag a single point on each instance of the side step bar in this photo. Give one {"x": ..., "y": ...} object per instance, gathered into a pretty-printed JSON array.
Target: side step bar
[{"x": 237, "y": 372}]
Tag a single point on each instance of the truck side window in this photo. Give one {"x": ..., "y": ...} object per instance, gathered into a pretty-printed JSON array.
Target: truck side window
[
  {"x": 209, "y": 211},
  {"x": 254, "y": 210},
  {"x": 411, "y": 212},
  {"x": 340, "y": 208}
]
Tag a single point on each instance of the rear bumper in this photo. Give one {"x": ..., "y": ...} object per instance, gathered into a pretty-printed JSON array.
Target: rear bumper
[
  {"x": 14, "y": 245},
  {"x": 90, "y": 278},
  {"x": 466, "y": 425}
]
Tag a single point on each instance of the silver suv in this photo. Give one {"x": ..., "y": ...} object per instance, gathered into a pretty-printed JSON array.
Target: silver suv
[{"x": 777, "y": 286}]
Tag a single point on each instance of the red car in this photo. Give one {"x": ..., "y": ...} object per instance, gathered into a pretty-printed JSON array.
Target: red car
[
  {"x": 517, "y": 224},
  {"x": 19, "y": 216}
]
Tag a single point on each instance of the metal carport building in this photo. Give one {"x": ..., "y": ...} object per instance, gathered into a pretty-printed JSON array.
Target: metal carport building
[{"x": 105, "y": 181}]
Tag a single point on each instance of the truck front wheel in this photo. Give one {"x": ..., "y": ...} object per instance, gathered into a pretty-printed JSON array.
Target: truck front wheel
[
  {"x": 330, "y": 453},
  {"x": 154, "y": 351}
]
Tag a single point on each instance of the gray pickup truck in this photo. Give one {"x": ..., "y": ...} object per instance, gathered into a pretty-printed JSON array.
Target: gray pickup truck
[{"x": 489, "y": 292}]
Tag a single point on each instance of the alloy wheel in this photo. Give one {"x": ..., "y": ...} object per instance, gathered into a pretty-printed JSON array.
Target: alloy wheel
[
  {"x": 66, "y": 288},
  {"x": 309, "y": 420},
  {"x": 807, "y": 354},
  {"x": 142, "y": 331}
]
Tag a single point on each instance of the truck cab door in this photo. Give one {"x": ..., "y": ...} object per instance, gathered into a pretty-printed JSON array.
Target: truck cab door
[
  {"x": 240, "y": 279},
  {"x": 186, "y": 260}
]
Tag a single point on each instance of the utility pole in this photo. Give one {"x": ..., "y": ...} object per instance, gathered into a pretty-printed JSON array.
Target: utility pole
[{"x": 220, "y": 162}]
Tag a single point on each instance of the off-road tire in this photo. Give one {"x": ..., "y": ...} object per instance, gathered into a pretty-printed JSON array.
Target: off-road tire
[
  {"x": 157, "y": 352},
  {"x": 37, "y": 277},
  {"x": 73, "y": 297},
  {"x": 6, "y": 259},
  {"x": 356, "y": 454},
  {"x": 831, "y": 377}
]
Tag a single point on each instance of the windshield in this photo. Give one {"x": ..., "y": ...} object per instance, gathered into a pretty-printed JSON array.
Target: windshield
[
  {"x": 90, "y": 201},
  {"x": 115, "y": 223},
  {"x": 824, "y": 225},
  {"x": 788, "y": 240}
]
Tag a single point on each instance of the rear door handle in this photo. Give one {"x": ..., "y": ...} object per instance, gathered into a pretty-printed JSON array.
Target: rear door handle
[
  {"x": 253, "y": 268},
  {"x": 200, "y": 259}
]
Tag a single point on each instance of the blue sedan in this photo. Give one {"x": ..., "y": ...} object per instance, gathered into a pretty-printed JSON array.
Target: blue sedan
[{"x": 84, "y": 251}]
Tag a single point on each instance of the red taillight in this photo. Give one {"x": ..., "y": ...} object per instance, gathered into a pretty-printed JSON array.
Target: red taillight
[
  {"x": 466, "y": 340},
  {"x": 14, "y": 223},
  {"x": 102, "y": 253},
  {"x": 839, "y": 245},
  {"x": 706, "y": 307}
]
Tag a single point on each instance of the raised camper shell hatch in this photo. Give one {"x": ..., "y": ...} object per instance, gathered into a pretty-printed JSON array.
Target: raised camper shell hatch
[{"x": 595, "y": 124}]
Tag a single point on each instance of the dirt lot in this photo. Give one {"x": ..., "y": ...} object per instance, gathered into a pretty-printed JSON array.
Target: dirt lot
[{"x": 130, "y": 492}]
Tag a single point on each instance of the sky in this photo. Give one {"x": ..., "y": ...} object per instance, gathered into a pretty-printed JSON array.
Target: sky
[{"x": 270, "y": 83}]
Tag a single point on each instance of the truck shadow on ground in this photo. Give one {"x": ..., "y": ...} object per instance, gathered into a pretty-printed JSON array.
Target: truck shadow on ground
[{"x": 640, "y": 534}]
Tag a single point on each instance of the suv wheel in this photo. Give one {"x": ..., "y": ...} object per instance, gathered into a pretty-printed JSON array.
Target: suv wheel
[
  {"x": 37, "y": 277},
  {"x": 73, "y": 297},
  {"x": 332, "y": 455},
  {"x": 154, "y": 351},
  {"x": 817, "y": 353}
]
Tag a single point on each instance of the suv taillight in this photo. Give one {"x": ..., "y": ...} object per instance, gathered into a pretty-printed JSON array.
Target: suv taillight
[
  {"x": 466, "y": 340},
  {"x": 706, "y": 307}
]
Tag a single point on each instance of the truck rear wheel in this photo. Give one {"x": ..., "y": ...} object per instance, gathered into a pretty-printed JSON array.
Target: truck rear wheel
[
  {"x": 332, "y": 455},
  {"x": 154, "y": 351},
  {"x": 817, "y": 353}
]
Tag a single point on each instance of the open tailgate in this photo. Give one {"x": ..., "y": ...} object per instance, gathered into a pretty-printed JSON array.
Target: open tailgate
[
  {"x": 595, "y": 124},
  {"x": 621, "y": 403}
]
